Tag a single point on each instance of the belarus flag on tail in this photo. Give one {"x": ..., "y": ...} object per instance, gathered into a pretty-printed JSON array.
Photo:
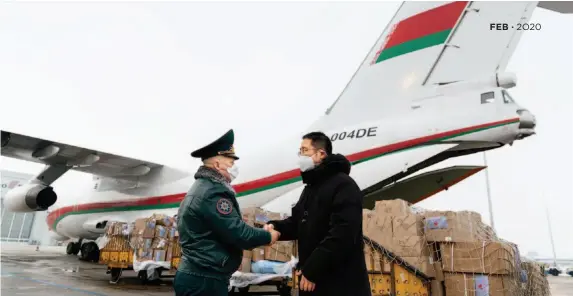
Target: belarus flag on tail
[{"x": 425, "y": 29}]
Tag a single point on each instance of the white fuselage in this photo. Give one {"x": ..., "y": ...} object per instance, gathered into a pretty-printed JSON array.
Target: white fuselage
[{"x": 453, "y": 117}]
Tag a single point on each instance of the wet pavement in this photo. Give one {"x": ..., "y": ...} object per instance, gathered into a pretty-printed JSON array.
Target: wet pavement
[{"x": 25, "y": 271}]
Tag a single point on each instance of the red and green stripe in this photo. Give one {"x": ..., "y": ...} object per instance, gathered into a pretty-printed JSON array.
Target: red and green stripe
[
  {"x": 422, "y": 30},
  {"x": 274, "y": 181}
]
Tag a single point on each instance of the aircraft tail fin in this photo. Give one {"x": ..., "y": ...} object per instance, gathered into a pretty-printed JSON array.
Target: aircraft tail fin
[{"x": 425, "y": 45}]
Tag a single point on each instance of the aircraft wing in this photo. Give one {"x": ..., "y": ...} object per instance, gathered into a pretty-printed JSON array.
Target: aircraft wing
[
  {"x": 60, "y": 157},
  {"x": 419, "y": 187}
]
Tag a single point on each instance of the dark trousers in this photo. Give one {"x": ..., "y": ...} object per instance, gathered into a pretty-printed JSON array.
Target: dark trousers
[{"x": 193, "y": 285}]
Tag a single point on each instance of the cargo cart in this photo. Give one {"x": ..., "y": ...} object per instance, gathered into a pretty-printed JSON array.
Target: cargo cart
[
  {"x": 284, "y": 287},
  {"x": 118, "y": 261}
]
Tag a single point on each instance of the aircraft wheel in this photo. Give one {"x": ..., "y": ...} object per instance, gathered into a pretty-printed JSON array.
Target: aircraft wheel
[
  {"x": 73, "y": 248},
  {"x": 90, "y": 252},
  {"x": 70, "y": 248}
]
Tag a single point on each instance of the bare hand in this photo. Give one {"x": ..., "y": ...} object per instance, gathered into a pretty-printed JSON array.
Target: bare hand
[
  {"x": 305, "y": 285},
  {"x": 268, "y": 227}
]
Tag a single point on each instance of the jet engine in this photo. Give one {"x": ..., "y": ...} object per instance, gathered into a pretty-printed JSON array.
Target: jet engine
[{"x": 30, "y": 198}]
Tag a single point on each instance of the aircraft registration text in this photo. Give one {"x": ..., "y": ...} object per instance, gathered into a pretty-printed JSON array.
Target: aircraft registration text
[{"x": 354, "y": 134}]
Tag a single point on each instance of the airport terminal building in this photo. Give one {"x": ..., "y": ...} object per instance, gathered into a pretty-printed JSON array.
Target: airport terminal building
[{"x": 28, "y": 228}]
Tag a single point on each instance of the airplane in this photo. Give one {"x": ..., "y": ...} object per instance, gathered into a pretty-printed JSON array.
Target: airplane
[{"x": 432, "y": 87}]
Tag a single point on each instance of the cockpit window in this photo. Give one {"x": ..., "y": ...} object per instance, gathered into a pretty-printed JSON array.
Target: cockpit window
[
  {"x": 506, "y": 97},
  {"x": 488, "y": 97}
]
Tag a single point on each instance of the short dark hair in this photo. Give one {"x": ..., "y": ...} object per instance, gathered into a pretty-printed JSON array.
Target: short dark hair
[{"x": 319, "y": 141}]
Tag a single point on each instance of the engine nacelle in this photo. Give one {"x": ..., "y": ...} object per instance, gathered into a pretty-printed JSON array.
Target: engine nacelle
[{"x": 30, "y": 198}]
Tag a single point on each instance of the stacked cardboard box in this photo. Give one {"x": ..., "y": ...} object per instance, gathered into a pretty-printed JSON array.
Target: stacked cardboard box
[
  {"x": 280, "y": 251},
  {"x": 473, "y": 261},
  {"x": 155, "y": 238},
  {"x": 399, "y": 230},
  {"x": 460, "y": 254}
]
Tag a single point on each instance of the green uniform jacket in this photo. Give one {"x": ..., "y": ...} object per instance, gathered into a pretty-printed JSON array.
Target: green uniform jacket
[{"x": 211, "y": 229}]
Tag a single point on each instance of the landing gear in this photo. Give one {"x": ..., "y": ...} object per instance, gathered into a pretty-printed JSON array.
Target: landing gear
[
  {"x": 90, "y": 252},
  {"x": 73, "y": 248}
]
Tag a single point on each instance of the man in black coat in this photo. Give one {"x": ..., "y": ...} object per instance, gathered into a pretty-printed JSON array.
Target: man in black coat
[{"x": 327, "y": 222}]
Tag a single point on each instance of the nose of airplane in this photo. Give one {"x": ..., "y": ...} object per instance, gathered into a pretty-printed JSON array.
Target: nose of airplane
[{"x": 527, "y": 123}]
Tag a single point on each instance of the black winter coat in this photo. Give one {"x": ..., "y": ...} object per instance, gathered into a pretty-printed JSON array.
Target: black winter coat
[{"x": 327, "y": 222}]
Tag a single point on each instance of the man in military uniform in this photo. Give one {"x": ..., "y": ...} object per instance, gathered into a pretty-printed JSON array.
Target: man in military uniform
[{"x": 212, "y": 232}]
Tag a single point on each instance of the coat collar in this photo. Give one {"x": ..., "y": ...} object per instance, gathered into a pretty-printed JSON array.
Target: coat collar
[{"x": 213, "y": 175}]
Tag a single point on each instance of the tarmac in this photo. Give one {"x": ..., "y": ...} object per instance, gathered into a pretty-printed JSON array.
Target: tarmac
[{"x": 49, "y": 271}]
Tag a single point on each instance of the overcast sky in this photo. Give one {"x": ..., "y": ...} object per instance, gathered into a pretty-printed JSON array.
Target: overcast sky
[{"x": 157, "y": 80}]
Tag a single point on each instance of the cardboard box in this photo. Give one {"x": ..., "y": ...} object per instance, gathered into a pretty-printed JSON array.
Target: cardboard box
[
  {"x": 407, "y": 226},
  {"x": 396, "y": 207},
  {"x": 162, "y": 219},
  {"x": 413, "y": 246},
  {"x": 480, "y": 257},
  {"x": 439, "y": 272},
  {"x": 159, "y": 255},
  {"x": 144, "y": 254},
  {"x": 422, "y": 264},
  {"x": 118, "y": 229},
  {"x": 160, "y": 243},
  {"x": 379, "y": 230},
  {"x": 437, "y": 288},
  {"x": 258, "y": 254},
  {"x": 144, "y": 227},
  {"x": 450, "y": 226},
  {"x": 461, "y": 284},
  {"x": 280, "y": 251},
  {"x": 171, "y": 231},
  {"x": 258, "y": 216},
  {"x": 246, "y": 262},
  {"x": 160, "y": 231},
  {"x": 136, "y": 242},
  {"x": 169, "y": 252}
]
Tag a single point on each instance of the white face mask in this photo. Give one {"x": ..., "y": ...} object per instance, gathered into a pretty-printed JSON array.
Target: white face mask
[
  {"x": 305, "y": 163},
  {"x": 233, "y": 172}
]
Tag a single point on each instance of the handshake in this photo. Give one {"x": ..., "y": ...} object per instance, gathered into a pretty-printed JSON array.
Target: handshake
[{"x": 274, "y": 234}]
